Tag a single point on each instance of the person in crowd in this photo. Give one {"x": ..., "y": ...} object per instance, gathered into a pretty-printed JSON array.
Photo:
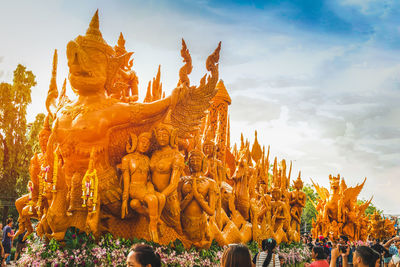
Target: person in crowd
[
  {"x": 7, "y": 240},
  {"x": 142, "y": 255},
  {"x": 1, "y": 245},
  {"x": 310, "y": 243},
  {"x": 338, "y": 253},
  {"x": 365, "y": 257},
  {"x": 319, "y": 256},
  {"x": 377, "y": 246},
  {"x": 236, "y": 255},
  {"x": 344, "y": 247},
  {"x": 21, "y": 244},
  {"x": 282, "y": 261},
  {"x": 352, "y": 248},
  {"x": 267, "y": 257},
  {"x": 393, "y": 246}
]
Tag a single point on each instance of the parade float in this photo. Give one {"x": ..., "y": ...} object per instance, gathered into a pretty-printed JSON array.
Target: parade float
[
  {"x": 338, "y": 212},
  {"x": 112, "y": 168}
]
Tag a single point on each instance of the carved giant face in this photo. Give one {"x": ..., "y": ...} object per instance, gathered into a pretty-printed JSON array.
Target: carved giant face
[
  {"x": 143, "y": 144},
  {"x": 162, "y": 136},
  {"x": 87, "y": 68},
  {"x": 195, "y": 162}
]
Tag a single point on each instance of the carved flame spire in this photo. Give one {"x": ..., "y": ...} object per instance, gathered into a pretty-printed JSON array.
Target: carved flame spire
[
  {"x": 94, "y": 26},
  {"x": 52, "y": 93}
]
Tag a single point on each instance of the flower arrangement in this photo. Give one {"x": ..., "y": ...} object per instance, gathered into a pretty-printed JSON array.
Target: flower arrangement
[
  {"x": 80, "y": 249},
  {"x": 294, "y": 253}
]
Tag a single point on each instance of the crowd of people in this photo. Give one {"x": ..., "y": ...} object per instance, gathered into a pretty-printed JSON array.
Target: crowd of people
[
  {"x": 342, "y": 253},
  {"x": 8, "y": 240},
  {"x": 325, "y": 253}
]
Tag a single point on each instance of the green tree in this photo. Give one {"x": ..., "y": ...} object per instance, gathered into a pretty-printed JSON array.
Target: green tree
[
  {"x": 371, "y": 208},
  {"x": 14, "y": 99},
  {"x": 32, "y": 146},
  {"x": 309, "y": 211}
]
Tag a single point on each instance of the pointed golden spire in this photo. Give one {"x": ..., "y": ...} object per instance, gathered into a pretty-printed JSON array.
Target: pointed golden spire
[
  {"x": 121, "y": 41},
  {"x": 52, "y": 93},
  {"x": 157, "y": 86},
  {"x": 148, "y": 97},
  {"x": 275, "y": 171},
  {"x": 94, "y": 26},
  {"x": 228, "y": 134},
  {"x": 256, "y": 152},
  {"x": 222, "y": 94}
]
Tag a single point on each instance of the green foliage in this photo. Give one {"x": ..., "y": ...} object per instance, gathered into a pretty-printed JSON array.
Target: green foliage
[
  {"x": 309, "y": 211},
  {"x": 371, "y": 208},
  {"x": 14, "y": 99},
  {"x": 253, "y": 247}
]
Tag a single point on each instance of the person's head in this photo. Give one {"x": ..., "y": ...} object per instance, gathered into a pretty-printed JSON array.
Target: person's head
[
  {"x": 377, "y": 241},
  {"x": 365, "y": 257},
  {"x": 9, "y": 222},
  {"x": 236, "y": 255},
  {"x": 397, "y": 244},
  {"x": 142, "y": 255},
  {"x": 318, "y": 253},
  {"x": 268, "y": 244},
  {"x": 343, "y": 240}
]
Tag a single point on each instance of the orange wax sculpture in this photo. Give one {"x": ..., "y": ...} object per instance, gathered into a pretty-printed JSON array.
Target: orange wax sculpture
[{"x": 159, "y": 170}]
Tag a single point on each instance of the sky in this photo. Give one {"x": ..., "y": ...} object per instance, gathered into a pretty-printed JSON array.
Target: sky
[{"x": 318, "y": 79}]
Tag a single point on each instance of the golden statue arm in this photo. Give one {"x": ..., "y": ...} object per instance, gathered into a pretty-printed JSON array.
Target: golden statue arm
[
  {"x": 188, "y": 198},
  {"x": 173, "y": 185},
  {"x": 126, "y": 179},
  {"x": 209, "y": 209}
]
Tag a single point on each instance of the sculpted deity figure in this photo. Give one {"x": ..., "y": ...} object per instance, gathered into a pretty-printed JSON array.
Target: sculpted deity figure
[
  {"x": 331, "y": 209},
  {"x": 95, "y": 128},
  {"x": 197, "y": 200},
  {"x": 126, "y": 82},
  {"x": 279, "y": 217},
  {"x": 137, "y": 186},
  {"x": 78, "y": 130},
  {"x": 214, "y": 171},
  {"x": 27, "y": 204},
  {"x": 166, "y": 165},
  {"x": 297, "y": 202},
  {"x": 241, "y": 187}
]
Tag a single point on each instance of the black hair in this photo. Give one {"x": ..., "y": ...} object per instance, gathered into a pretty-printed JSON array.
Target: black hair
[
  {"x": 145, "y": 254},
  {"x": 9, "y": 220},
  {"x": 319, "y": 253},
  {"x": 345, "y": 238},
  {"x": 367, "y": 255},
  {"x": 268, "y": 245},
  {"x": 236, "y": 255}
]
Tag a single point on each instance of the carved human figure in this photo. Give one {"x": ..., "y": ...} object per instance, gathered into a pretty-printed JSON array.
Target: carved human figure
[
  {"x": 279, "y": 217},
  {"x": 137, "y": 186},
  {"x": 297, "y": 202},
  {"x": 197, "y": 201},
  {"x": 241, "y": 187},
  {"x": 214, "y": 171},
  {"x": 27, "y": 204},
  {"x": 166, "y": 165}
]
